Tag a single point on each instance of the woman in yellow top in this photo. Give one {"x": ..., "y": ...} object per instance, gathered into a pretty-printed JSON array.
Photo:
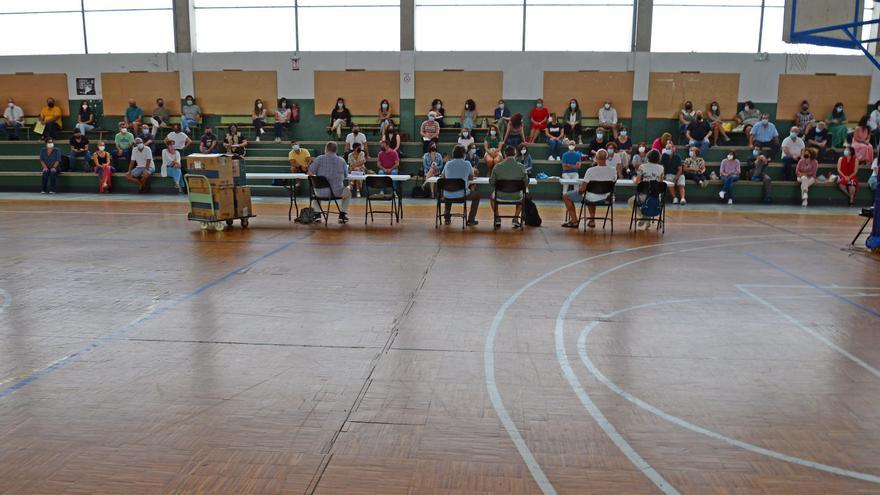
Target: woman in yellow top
[{"x": 50, "y": 117}]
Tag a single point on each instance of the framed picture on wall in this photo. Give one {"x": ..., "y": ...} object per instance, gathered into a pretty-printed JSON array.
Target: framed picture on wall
[{"x": 85, "y": 86}]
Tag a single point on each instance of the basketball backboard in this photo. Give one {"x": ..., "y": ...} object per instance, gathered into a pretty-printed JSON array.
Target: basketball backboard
[{"x": 823, "y": 22}]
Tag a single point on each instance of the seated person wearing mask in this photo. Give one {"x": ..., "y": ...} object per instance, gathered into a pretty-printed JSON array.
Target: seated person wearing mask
[
  {"x": 209, "y": 144},
  {"x": 459, "y": 168},
  {"x": 509, "y": 169},
  {"x": 598, "y": 172},
  {"x": 141, "y": 166}
]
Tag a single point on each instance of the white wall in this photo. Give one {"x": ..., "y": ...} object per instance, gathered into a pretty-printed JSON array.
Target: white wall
[{"x": 523, "y": 72}]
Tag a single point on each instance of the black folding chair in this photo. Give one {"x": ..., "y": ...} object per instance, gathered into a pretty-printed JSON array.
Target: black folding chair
[
  {"x": 605, "y": 187},
  {"x": 506, "y": 186},
  {"x": 650, "y": 189},
  {"x": 445, "y": 186},
  {"x": 868, "y": 213},
  {"x": 320, "y": 182},
  {"x": 381, "y": 184}
]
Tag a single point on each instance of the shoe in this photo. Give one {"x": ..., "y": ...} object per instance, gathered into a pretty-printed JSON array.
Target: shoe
[
  {"x": 42, "y": 192},
  {"x": 726, "y": 139},
  {"x": 675, "y": 201},
  {"x": 551, "y": 158},
  {"x": 473, "y": 223},
  {"x": 497, "y": 223},
  {"x": 721, "y": 194},
  {"x": 517, "y": 224},
  {"x": 262, "y": 131},
  {"x": 51, "y": 192},
  {"x": 277, "y": 140},
  {"x": 447, "y": 220},
  {"x": 258, "y": 139},
  {"x": 804, "y": 203},
  {"x": 682, "y": 202},
  {"x": 343, "y": 218},
  {"x": 580, "y": 141},
  {"x": 804, "y": 196},
  {"x": 730, "y": 201},
  {"x": 357, "y": 194},
  {"x": 642, "y": 225}
]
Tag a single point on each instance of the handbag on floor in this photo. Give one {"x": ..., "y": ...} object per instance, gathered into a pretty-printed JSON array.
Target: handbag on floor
[{"x": 530, "y": 212}]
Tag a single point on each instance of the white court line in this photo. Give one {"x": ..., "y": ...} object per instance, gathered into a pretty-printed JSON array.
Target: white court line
[
  {"x": 585, "y": 359},
  {"x": 811, "y": 332},
  {"x": 804, "y": 286},
  {"x": 5, "y": 300}
]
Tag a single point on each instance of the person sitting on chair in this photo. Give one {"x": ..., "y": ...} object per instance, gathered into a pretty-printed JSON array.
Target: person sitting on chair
[
  {"x": 190, "y": 114},
  {"x": 759, "y": 166},
  {"x": 124, "y": 141},
  {"x": 747, "y": 118},
  {"x": 141, "y": 167},
  {"x": 13, "y": 117},
  {"x": 819, "y": 139},
  {"x": 50, "y": 117},
  {"x": 332, "y": 167},
  {"x": 649, "y": 171},
  {"x": 357, "y": 165},
  {"x": 792, "y": 147},
  {"x": 161, "y": 116},
  {"x": 765, "y": 135},
  {"x": 356, "y": 136},
  {"x": 134, "y": 116},
  {"x": 432, "y": 165},
  {"x": 508, "y": 169},
  {"x": 698, "y": 133},
  {"x": 608, "y": 118},
  {"x": 804, "y": 120},
  {"x": 459, "y": 168},
  {"x": 598, "y": 172},
  {"x": 430, "y": 131}
]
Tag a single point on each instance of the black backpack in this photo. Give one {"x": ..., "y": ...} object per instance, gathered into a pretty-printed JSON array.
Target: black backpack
[
  {"x": 530, "y": 213},
  {"x": 306, "y": 216},
  {"x": 421, "y": 192}
]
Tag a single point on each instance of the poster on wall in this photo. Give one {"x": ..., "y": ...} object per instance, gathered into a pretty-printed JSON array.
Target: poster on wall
[{"x": 85, "y": 86}]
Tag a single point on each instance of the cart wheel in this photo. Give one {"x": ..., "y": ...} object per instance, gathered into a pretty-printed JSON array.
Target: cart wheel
[
  {"x": 244, "y": 223},
  {"x": 204, "y": 225},
  {"x": 229, "y": 223},
  {"x": 219, "y": 227}
]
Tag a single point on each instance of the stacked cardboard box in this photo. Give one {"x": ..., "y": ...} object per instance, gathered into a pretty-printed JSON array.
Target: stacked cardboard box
[
  {"x": 243, "y": 206},
  {"x": 217, "y": 168},
  {"x": 239, "y": 176}
]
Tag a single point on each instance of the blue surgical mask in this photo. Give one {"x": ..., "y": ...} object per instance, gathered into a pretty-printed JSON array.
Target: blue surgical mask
[
  {"x": 472, "y": 151},
  {"x": 755, "y": 152},
  {"x": 623, "y": 133},
  {"x": 667, "y": 151},
  {"x": 792, "y": 134},
  {"x": 692, "y": 154}
]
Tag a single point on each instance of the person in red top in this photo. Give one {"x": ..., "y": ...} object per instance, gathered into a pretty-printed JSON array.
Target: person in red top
[
  {"x": 389, "y": 162},
  {"x": 847, "y": 169},
  {"x": 538, "y": 116}
]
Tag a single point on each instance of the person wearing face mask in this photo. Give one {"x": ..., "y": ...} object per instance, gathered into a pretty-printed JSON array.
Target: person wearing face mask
[
  {"x": 792, "y": 147},
  {"x": 299, "y": 158},
  {"x": 171, "y": 166},
  {"x": 234, "y": 143},
  {"x": 133, "y": 116},
  {"x": 258, "y": 118},
  {"x": 511, "y": 168},
  {"x": 357, "y": 165},
  {"x": 209, "y": 144},
  {"x": 759, "y": 165},
  {"x": 847, "y": 171},
  {"x": 459, "y": 168},
  {"x": 50, "y": 163},
  {"x": 356, "y": 136},
  {"x": 861, "y": 142},
  {"x": 101, "y": 161},
  {"x": 340, "y": 117},
  {"x": 524, "y": 159},
  {"x": 148, "y": 138},
  {"x": 85, "y": 120},
  {"x": 555, "y": 133},
  {"x": 697, "y": 133},
  {"x": 623, "y": 142},
  {"x": 430, "y": 131},
  {"x": 502, "y": 117},
  {"x": 538, "y": 120},
  {"x": 283, "y": 115},
  {"x": 465, "y": 137},
  {"x": 181, "y": 140},
  {"x": 617, "y": 161},
  {"x": 124, "y": 141},
  {"x": 686, "y": 116},
  {"x": 600, "y": 172},
  {"x": 837, "y": 125},
  {"x": 804, "y": 119},
  {"x": 601, "y": 140},
  {"x": 141, "y": 166},
  {"x": 660, "y": 143},
  {"x": 161, "y": 116},
  {"x": 388, "y": 161},
  {"x": 384, "y": 116},
  {"x": 432, "y": 165},
  {"x": 674, "y": 173},
  {"x": 190, "y": 114},
  {"x": 572, "y": 121},
  {"x": 473, "y": 157},
  {"x": 332, "y": 167},
  {"x": 694, "y": 169},
  {"x": 819, "y": 139},
  {"x": 730, "y": 171},
  {"x": 13, "y": 119},
  {"x": 392, "y": 137},
  {"x": 765, "y": 135},
  {"x": 515, "y": 130},
  {"x": 492, "y": 147},
  {"x": 469, "y": 115},
  {"x": 79, "y": 146},
  {"x": 608, "y": 118},
  {"x": 806, "y": 174},
  {"x": 50, "y": 117},
  {"x": 439, "y": 112},
  {"x": 639, "y": 158},
  {"x": 713, "y": 116},
  {"x": 571, "y": 166},
  {"x": 747, "y": 118}
]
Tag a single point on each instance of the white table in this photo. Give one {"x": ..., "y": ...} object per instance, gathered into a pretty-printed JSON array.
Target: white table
[
  {"x": 620, "y": 182},
  {"x": 478, "y": 180}
]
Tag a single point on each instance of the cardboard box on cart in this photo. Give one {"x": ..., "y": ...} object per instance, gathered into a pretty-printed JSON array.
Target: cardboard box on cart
[
  {"x": 217, "y": 168},
  {"x": 224, "y": 205},
  {"x": 243, "y": 206}
]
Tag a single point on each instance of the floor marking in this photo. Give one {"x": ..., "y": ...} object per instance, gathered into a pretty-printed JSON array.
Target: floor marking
[
  {"x": 810, "y": 331},
  {"x": 585, "y": 359},
  {"x": 5, "y": 300},
  {"x": 866, "y": 309},
  {"x": 489, "y": 353},
  {"x": 125, "y": 329}
]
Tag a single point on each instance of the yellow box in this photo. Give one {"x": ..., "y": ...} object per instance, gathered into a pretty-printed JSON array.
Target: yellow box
[{"x": 243, "y": 206}]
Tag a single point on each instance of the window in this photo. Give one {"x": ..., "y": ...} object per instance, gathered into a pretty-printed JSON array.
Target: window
[
  {"x": 130, "y": 31},
  {"x": 595, "y": 25},
  {"x": 65, "y": 28},
  {"x": 469, "y": 25},
  {"x": 349, "y": 25},
  {"x": 219, "y": 29},
  {"x": 726, "y": 26}
]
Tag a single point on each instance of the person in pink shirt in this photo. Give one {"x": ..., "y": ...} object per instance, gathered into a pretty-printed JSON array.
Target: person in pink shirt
[
  {"x": 388, "y": 161},
  {"x": 660, "y": 143},
  {"x": 806, "y": 173},
  {"x": 730, "y": 171},
  {"x": 538, "y": 118}
]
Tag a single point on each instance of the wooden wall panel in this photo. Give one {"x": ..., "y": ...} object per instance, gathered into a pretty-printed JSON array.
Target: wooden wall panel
[
  {"x": 31, "y": 90},
  {"x": 232, "y": 92},
  {"x": 145, "y": 87},
  {"x": 822, "y": 91},
  {"x": 668, "y": 91},
  {"x": 361, "y": 89},
  {"x": 455, "y": 87},
  {"x": 590, "y": 89}
]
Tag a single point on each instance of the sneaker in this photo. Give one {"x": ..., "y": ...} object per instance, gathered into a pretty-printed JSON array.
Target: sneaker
[
  {"x": 804, "y": 196},
  {"x": 51, "y": 192},
  {"x": 472, "y": 223},
  {"x": 551, "y": 158},
  {"x": 258, "y": 139},
  {"x": 42, "y": 192},
  {"x": 675, "y": 201},
  {"x": 517, "y": 224},
  {"x": 357, "y": 194},
  {"x": 804, "y": 203},
  {"x": 641, "y": 225},
  {"x": 730, "y": 201},
  {"x": 497, "y": 223},
  {"x": 343, "y": 218},
  {"x": 682, "y": 202},
  {"x": 721, "y": 194},
  {"x": 277, "y": 140},
  {"x": 262, "y": 131}
]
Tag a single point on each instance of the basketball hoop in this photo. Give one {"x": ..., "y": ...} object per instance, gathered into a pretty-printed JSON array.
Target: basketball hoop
[{"x": 797, "y": 61}]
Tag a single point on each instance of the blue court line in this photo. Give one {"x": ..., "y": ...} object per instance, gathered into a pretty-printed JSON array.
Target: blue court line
[
  {"x": 866, "y": 309},
  {"x": 106, "y": 339}
]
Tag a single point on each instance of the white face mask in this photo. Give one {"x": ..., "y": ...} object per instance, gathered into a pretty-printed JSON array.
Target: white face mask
[
  {"x": 189, "y": 102},
  {"x": 539, "y": 105},
  {"x": 610, "y": 151},
  {"x": 465, "y": 134},
  {"x": 764, "y": 121},
  {"x": 100, "y": 148},
  {"x": 438, "y": 106},
  {"x": 123, "y": 130},
  {"x": 259, "y": 105},
  {"x": 714, "y": 108},
  {"x": 338, "y": 105},
  {"x": 607, "y": 107},
  {"x": 50, "y": 145},
  {"x": 384, "y": 106},
  {"x": 141, "y": 146},
  {"x": 501, "y": 106},
  {"x": 730, "y": 157},
  {"x": 600, "y": 135},
  {"x": 845, "y": 152},
  {"x": 522, "y": 152},
  {"x": 623, "y": 133},
  {"x": 431, "y": 118},
  {"x": 641, "y": 149},
  {"x": 667, "y": 151},
  {"x": 571, "y": 147},
  {"x": 755, "y": 152},
  {"x": 84, "y": 107},
  {"x": 572, "y": 105},
  {"x": 492, "y": 132},
  {"x": 11, "y": 105},
  {"x": 295, "y": 147}
]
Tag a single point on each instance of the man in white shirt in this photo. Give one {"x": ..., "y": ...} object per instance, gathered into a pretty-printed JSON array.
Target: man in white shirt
[
  {"x": 608, "y": 117},
  {"x": 181, "y": 139},
  {"x": 598, "y": 172},
  {"x": 141, "y": 167},
  {"x": 792, "y": 147},
  {"x": 356, "y": 136},
  {"x": 12, "y": 119}
]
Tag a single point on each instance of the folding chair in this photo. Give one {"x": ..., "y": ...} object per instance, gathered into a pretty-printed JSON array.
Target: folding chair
[
  {"x": 868, "y": 213},
  {"x": 650, "y": 190},
  {"x": 444, "y": 186},
  {"x": 380, "y": 184},
  {"x": 510, "y": 187},
  {"x": 320, "y": 182},
  {"x": 599, "y": 187}
]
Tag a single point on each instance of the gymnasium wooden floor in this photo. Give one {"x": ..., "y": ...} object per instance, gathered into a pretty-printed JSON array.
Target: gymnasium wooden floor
[{"x": 737, "y": 354}]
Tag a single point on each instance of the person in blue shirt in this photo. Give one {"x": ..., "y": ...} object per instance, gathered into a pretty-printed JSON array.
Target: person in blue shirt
[
  {"x": 524, "y": 158},
  {"x": 50, "y": 162},
  {"x": 134, "y": 116},
  {"x": 765, "y": 135},
  {"x": 571, "y": 166},
  {"x": 502, "y": 117},
  {"x": 459, "y": 168}
]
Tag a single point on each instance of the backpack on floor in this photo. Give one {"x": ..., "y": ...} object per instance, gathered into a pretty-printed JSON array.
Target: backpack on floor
[
  {"x": 421, "y": 192},
  {"x": 651, "y": 207},
  {"x": 530, "y": 213},
  {"x": 305, "y": 216}
]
